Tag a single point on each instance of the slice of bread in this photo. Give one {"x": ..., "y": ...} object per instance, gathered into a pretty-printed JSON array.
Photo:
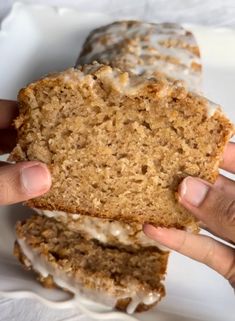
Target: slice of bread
[
  {"x": 128, "y": 279},
  {"x": 118, "y": 145},
  {"x": 146, "y": 48}
]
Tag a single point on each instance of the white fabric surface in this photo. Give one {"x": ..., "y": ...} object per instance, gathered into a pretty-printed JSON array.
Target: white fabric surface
[{"x": 207, "y": 12}]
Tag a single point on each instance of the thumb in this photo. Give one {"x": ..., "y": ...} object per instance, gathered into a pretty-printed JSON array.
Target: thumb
[
  {"x": 22, "y": 181},
  {"x": 210, "y": 205}
]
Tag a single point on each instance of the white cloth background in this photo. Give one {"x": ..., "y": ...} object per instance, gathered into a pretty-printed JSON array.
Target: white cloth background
[{"x": 206, "y": 12}]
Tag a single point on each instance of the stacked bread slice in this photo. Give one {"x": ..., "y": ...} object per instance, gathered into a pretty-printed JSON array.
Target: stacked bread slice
[
  {"x": 126, "y": 277},
  {"x": 118, "y": 136}
]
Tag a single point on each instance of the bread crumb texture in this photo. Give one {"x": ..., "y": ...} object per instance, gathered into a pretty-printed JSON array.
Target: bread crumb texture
[{"x": 118, "y": 145}]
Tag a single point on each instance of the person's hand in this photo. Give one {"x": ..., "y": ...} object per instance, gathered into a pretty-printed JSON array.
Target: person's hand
[
  {"x": 24, "y": 180},
  {"x": 214, "y": 206}
]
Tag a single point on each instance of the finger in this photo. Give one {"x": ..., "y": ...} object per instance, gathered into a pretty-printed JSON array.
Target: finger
[
  {"x": 23, "y": 181},
  {"x": 204, "y": 249},
  {"x": 8, "y": 112},
  {"x": 225, "y": 184},
  {"x": 3, "y": 164},
  {"x": 205, "y": 228},
  {"x": 228, "y": 161},
  {"x": 210, "y": 205},
  {"x": 7, "y": 140}
]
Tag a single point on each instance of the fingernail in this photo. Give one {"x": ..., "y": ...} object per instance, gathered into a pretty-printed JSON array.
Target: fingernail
[
  {"x": 153, "y": 231},
  {"x": 193, "y": 191},
  {"x": 35, "y": 179}
]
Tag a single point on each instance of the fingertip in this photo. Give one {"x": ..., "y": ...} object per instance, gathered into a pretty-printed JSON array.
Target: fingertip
[
  {"x": 227, "y": 160},
  {"x": 169, "y": 237},
  {"x": 182, "y": 190},
  {"x": 153, "y": 232},
  {"x": 35, "y": 178},
  {"x": 193, "y": 191}
]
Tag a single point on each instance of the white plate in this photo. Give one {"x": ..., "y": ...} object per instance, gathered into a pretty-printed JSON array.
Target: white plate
[{"x": 35, "y": 40}]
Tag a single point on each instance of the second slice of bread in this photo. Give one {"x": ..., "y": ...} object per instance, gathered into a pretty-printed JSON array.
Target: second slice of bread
[{"x": 128, "y": 279}]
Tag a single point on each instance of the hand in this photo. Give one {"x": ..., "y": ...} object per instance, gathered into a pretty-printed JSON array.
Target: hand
[
  {"x": 214, "y": 206},
  {"x": 24, "y": 180}
]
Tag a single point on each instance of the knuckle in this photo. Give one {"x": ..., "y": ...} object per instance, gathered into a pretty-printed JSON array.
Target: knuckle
[
  {"x": 224, "y": 210},
  {"x": 230, "y": 272},
  {"x": 181, "y": 242},
  {"x": 10, "y": 191},
  {"x": 4, "y": 193},
  {"x": 232, "y": 280},
  {"x": 208, "y": 257},
  {"x": 232, "y": 283},
  {"x": 230, "y": 211}
]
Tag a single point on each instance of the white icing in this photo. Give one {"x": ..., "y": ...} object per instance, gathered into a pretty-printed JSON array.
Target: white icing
[
  {"x": 173, "y": 71},
  {"x": 89, "y": 227},
  {"x": 141, "y": 49},
  {"x": 76, "y": 216},
  {"x": 34, "y": 258},
  {"x": 116, "y": 32},
  {"x": 70, "y": 76},
  {"x": 102, "y": 230},
  {"x": 211, "y": 108},
  {"x": 148, "y": 299},
  {"x": 43, "y": 267},
  {"x": 54, "y": 214}
]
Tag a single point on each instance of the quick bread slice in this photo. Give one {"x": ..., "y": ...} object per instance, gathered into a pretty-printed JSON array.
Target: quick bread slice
[
  {"x": 115, "y": 233},
  {"x": 148, "y": 49},
  {"x": 118, "y": 145},
  {"x": 129, "y": 280}
]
